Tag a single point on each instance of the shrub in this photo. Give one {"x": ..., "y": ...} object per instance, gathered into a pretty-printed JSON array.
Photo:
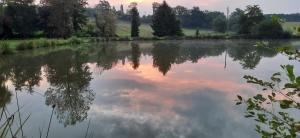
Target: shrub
[
  {"x": 268, "y": 29},
  {"x": 4, "y": 49},
  {"x": 74, "y": 40},
  {"x": 24, "y": 45}
]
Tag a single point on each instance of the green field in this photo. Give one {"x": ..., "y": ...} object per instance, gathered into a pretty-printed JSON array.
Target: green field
[
  {"x": 290, "y": 26},
  {"x": 123, "y": 30}
]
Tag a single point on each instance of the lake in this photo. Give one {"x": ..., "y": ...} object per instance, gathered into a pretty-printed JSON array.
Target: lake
[{"x": 163, "y": 89}]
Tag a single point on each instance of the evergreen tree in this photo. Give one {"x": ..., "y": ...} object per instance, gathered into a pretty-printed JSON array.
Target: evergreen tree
[
  {"x": 122, "y": 9},
  {"x": 164, "y": 22},
  {"x": 135, "y": 22}
]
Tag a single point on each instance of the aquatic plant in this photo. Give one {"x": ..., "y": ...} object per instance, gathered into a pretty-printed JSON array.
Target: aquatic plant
[{"x": 275, "y": 107}]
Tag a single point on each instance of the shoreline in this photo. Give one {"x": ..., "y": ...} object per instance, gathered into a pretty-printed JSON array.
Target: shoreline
[{"x": 11, "y": 46}]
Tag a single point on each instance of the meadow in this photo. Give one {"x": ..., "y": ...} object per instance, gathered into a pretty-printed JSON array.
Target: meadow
[
  {"x": 290, "y": 26},
  {"x": 123, "y": 30}
]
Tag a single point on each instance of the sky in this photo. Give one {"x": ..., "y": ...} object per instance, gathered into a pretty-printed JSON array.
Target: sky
[{"x": 268, "y": 6}]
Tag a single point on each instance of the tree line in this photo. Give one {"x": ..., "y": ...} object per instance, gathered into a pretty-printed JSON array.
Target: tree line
[{"x": 65, "y": 18}]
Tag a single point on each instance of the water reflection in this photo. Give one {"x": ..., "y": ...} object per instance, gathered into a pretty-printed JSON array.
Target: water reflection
[
  {"x": 5, "y": 94},
  {"x": 164, "y": 55},
  {"x": 69, "y": 79},
  {"x": 135, "y": 55},
  {"x": 160, "y": 89}
]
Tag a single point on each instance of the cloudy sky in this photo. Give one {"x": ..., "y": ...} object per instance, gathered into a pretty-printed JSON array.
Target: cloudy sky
[{"x": 268, "y": 6}]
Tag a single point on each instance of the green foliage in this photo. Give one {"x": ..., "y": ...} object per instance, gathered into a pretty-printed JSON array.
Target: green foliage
[
  {"x": 252, "y": 16},
  {"x": 268, "y": 29},
  {"x": 220, "y": 24},
  {"x": 105, "y": 19},
  {"x": 197, "y": 32},
  {"x": 5, "y": 49},
  {"x": 135, "y": 22},
  {"x": 164, "y": 22},
  {"x": 22, "y": 17},
  {"x": 22, "y": 46},
  {"x": 271, "y": 109},
  {"x": 234, "y": 20},
  {"x": 75, "y": 40}
]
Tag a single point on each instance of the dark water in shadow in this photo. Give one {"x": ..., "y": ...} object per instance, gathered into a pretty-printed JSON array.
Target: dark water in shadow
[{"x": 183, "y": 89}]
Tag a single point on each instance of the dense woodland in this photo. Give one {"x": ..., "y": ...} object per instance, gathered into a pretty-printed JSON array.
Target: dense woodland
[{"x": 66, "y": 18}]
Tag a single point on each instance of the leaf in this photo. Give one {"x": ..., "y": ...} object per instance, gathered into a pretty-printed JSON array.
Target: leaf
[
  {"x": 273, "y": 94},
  {"x": 290, "y": 85},
  {"x": 270, "y": 97},
  {"x": 259, "y": 97},
  {"x": 261, "y": 118},
  {"x": 238, "y": 103},
  {"x": 291, "y": 93},
  {"x": 285, "y": 104},
  {"x": 290, "y": 72},
  {"x": 275, "y": 77},
  {"x": 240, "y": 97}
]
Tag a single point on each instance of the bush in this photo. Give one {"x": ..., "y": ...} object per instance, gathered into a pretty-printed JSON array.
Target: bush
[
  {"x": 268, "y": 29},
  {"x": 4, "y": 49},
  {"x": 75, "y": 40},
  {"x": 24, "y": 45},
  {"x": 219, "y": 24}
]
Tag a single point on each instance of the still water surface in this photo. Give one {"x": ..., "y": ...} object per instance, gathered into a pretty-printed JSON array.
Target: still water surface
[{"x": 174, "y": 89}]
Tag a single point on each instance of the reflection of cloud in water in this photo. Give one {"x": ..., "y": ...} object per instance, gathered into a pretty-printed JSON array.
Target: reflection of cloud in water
[{"x": 205, "y": 114}]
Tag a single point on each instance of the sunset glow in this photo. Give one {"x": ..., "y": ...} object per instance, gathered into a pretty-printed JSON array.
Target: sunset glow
[{"x": 268, "y": 6}]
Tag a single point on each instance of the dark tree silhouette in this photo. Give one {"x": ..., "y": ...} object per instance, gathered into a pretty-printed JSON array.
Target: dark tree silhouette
[
  {"x": 164, "y": 55},
  {"x": 164, "y": 22},
  {"x": 69, "y": 78},
  {"x": 135, "y": 22},
  {"x": 135, "y": 55}
]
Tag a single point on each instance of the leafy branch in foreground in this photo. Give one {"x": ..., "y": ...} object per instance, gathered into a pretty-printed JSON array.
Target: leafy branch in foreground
[{"x": 274, "y": 110}]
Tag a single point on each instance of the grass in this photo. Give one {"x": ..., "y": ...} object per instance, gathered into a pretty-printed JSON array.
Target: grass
[
  {"x": 123, "y": 30},
  {"x": 11, "y": 46},
  {"x": 289, "y": 26}
]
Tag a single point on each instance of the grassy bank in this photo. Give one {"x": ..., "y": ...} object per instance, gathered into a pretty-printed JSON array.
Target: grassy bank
[
  {"x": 13, "y": 46},
  {"x": 123, "y": 31}
]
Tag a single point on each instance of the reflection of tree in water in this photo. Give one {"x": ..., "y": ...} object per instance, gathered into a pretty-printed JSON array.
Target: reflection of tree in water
[
  {"x": 164, "y": 55},
  {"x": 25, "y": 72},
  {"x": 107, "y": 57},
  {"x": 195, "y": 52},
  {"x": 69, "y": 78},
  {"x": 250, "y": 56},
  {"x": 5, "y": 94},
  {"x": 135, "y": 55}
]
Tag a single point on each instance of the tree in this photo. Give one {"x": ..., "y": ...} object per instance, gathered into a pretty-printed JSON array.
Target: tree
[
  {"x": 164, "y": 22},
  {"x": 234, "y": 19},
  {"x": 22, "y": 16},
  {"x": 60, "y": 22},
  {"x": 219, "y": 24},
  {"x": 253, "y": 15},
  {"x": 122, "y": 9},
  {"x": 79, "y": 17},
  {"x": 135, "y": 21},
  {"x": 135, "y": 55},
  {"x": 105, "y": 19},
  {"x": 269, "y": 29}
]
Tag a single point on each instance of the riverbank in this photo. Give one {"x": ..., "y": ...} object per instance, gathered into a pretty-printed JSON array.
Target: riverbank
[{"x": 14, "y": 46}]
